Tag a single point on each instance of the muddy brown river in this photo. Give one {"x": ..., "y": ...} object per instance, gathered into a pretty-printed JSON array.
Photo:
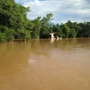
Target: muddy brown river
[{"x": 45, "y": 65}]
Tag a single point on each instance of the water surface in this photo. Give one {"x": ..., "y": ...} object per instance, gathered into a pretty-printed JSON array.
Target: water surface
[{"x": 45, "y": 65}]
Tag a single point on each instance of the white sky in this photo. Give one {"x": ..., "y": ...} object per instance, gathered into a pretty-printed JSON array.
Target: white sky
[{"x": 62, "y": 10}]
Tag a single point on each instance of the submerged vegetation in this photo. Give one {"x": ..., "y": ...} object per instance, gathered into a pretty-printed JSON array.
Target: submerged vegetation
[{"x": 14, "y": 24}]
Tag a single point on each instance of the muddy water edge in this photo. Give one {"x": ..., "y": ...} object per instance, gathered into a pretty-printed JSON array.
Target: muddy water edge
[{"x": 45, "y": 65}]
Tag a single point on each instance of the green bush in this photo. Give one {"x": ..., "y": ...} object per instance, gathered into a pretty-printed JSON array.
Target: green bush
[{"x": 2, "y": 37}]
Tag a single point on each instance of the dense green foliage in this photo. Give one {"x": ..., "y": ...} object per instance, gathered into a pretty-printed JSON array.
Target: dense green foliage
[
  {"x": 13, "y": 21},
  {"x": 14, "y": 24},
  {"x": 46, "y": 26}
]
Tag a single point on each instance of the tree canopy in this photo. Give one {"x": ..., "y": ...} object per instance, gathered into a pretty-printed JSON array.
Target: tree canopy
[{"x": 14, "y": 24}]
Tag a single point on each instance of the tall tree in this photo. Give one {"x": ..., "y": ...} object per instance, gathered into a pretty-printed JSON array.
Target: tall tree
[
  {"x": 65, "y": 30},
  {"x": 46, "y": 26},
  {"x": 13, "y": 16},
  {"x": 75, "y": 28},
  {"x": 58, "y": 31},
  {"x": 36, "y": 29}
]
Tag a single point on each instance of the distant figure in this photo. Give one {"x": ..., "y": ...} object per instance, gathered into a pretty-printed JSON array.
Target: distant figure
[
  {"x": 60, "y": 38},
  {"x": 52, "y": 35},
  {"x": 52, "y": 40},
  {"x": 57, "y": 37}
]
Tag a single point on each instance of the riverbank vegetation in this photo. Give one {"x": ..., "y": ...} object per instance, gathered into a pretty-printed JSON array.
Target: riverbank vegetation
[{"x": 14, "y": 24}]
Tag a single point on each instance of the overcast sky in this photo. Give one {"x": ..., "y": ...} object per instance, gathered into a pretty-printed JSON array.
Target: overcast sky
[{"x": 62, "y": 10}]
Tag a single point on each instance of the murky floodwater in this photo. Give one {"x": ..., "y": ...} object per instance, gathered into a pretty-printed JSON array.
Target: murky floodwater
[{"x": 45, "y": 65}]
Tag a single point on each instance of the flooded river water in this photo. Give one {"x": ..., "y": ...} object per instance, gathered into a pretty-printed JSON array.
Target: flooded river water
[{"x": 45, "y": 65}]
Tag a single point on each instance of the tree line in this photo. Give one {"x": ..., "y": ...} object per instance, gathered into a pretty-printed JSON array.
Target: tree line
[{"x": 14, "y": 24}]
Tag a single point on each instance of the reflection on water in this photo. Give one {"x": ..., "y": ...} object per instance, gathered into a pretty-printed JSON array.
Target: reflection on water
[{"x": 43, "y": 65}]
